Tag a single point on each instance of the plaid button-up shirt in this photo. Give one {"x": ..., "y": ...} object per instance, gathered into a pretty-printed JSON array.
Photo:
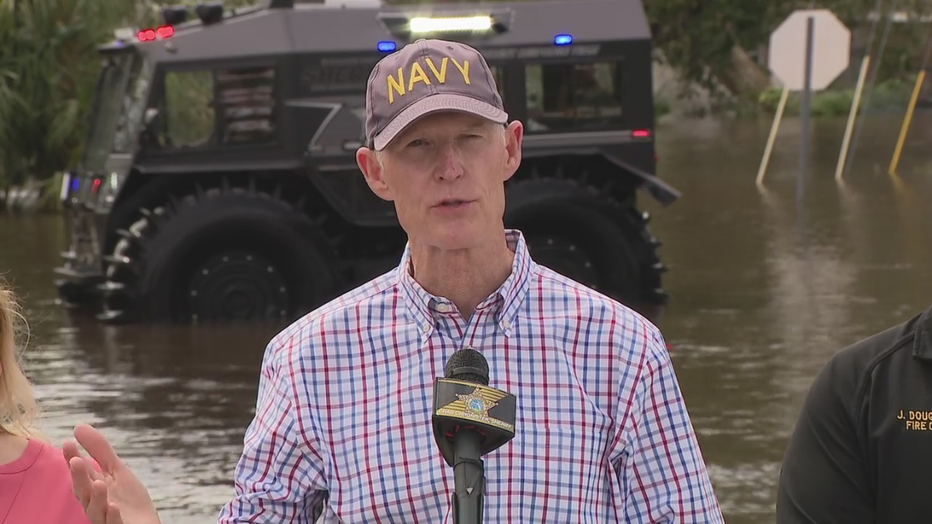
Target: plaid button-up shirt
[{"x": 346, "y": 393}]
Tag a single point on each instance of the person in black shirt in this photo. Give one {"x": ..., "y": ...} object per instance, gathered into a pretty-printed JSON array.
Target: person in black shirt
[{"x": 861, "y": 451}]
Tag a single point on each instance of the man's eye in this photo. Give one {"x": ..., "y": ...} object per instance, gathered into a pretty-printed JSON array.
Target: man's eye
[{"x": 415, "y": 143}]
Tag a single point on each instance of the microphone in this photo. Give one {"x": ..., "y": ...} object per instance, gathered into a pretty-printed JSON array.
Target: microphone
[{"x": 470, "y": 419}]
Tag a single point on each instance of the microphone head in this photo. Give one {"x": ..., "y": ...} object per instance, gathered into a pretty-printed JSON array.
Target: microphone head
[{"x": 467, "y": 365}]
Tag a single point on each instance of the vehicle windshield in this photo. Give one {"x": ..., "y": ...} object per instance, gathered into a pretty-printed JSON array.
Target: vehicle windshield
[{"x": 119, "y": 107}]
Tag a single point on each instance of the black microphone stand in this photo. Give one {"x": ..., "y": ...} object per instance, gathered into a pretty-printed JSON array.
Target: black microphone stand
[
  {"x": 470, "y": 419},
  {"x": 469, "y": 478}
]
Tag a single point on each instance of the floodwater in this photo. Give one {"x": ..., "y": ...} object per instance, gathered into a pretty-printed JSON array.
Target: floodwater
[{"x": 765, "y": 286}]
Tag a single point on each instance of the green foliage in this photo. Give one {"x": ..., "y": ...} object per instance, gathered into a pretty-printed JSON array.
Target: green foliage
[
  {"x": 48, "y": 71},
  {"x": 891, "y": 95},
  {"x": 697, "y": 36},
  {"x": 45, "y": 81},
  {"x": 662, "y": 106},
  {"x": 189, "y": 98}
]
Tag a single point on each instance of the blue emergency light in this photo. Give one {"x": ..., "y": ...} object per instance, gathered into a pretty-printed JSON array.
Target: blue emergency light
[
  {"x": 563, "y": 39},
  {"x": 386, "y": 46}
]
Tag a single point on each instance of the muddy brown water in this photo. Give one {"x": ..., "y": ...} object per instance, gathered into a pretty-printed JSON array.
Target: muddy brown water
[{"x": 763, "y": 290}]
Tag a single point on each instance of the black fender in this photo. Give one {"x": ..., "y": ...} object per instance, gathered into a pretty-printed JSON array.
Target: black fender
[{"x": 662, "y": 192}]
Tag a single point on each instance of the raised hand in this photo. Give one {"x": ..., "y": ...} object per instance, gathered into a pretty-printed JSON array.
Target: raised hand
[{"x": 108, "y": 490}]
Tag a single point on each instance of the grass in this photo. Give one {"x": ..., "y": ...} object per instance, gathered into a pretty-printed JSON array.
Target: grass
[{"x": 892, "y": 95}]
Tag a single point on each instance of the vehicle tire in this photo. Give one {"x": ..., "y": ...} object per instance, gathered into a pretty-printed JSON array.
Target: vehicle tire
[
  {"x": 72, "y": 295},
  {"x": 221, "y": 255},
  {"x": 589, "y": 237}
]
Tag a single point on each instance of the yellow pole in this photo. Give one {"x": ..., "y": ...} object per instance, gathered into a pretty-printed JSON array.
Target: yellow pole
[
  {"x": 773, "y": 136},
  {"x": 894, "y": 162},
  {"x": 852, "y": 115}
]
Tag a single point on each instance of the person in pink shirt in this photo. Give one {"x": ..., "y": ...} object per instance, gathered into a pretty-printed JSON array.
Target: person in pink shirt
[{"x": 35, "y": 480}]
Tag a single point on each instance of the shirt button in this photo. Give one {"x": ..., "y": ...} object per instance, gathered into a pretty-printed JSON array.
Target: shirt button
[
  {"x": 506, "y": 324},
  {"x": 425, "y": 328}
]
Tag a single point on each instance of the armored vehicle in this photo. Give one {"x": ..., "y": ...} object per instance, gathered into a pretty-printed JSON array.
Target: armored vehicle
[{"x": 219, "y": 180}]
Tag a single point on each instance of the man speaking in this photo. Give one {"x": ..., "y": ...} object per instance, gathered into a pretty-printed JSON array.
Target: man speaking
[{"x": 344, "y": 414}]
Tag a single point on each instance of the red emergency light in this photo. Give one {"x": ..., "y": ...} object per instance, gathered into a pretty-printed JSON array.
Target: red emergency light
[{"x": 148, "y": 35}]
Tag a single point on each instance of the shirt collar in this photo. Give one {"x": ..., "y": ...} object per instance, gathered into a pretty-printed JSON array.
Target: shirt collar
[
  {"x": 506, "y": 299},
  {"x": 922, "y": 342}
]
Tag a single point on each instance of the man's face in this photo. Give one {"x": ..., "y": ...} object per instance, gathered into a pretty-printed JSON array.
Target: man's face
[{"x": 445, "y": 174}]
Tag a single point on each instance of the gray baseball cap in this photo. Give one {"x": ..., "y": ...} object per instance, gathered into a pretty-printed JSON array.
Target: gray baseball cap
[{"x": 424, "y": 77}]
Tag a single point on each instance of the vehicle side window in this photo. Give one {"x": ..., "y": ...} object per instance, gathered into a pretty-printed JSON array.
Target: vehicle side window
[
  {"x": 217, "y": 108},
  {"x": 246, "y": 105},
  {"x": 133, "y": 107},
  {"x": 561, "y": 97},
  {"x": 188, "y": 110}
]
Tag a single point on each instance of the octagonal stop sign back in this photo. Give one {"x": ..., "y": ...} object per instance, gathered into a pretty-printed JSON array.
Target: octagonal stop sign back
[{"x": 831, "y": 49}]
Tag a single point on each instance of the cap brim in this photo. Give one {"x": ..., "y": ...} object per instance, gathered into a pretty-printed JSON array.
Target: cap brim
[{"x": 433, "y": 104}]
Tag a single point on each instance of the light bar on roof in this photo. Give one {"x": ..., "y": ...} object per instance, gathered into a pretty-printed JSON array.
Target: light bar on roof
[
  {"x": 458, "y": 23},
  {"x": 410, "y": 23}
]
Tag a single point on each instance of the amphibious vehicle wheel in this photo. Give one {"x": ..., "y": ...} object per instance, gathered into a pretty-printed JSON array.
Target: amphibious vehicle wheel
[
  {"x": 591, "y": 238},
  {"x": 220, "y": 255},
  {"x": 72, "y": 295}
]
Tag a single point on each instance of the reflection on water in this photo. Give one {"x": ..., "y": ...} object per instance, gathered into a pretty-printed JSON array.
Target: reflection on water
[
  {"x": 175, "y": 400},
  {"x": 762, "y": 293}
]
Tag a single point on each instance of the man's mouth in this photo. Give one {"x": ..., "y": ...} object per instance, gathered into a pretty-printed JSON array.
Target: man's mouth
[{"x": 451, "y": 202}]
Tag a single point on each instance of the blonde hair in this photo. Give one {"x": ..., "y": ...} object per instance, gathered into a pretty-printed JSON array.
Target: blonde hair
[{"x": 18, "y": 407}]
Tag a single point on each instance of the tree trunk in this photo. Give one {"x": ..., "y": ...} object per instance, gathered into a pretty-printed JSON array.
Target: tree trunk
[{"x": 744, "y": 75}]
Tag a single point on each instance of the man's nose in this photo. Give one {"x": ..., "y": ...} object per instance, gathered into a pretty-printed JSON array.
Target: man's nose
[{"x": 451, "y": 165}]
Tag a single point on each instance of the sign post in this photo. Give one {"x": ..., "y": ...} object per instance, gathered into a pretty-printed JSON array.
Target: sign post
[
  {"x": 806, "y": 111},
  {"x": 895, "y": 161},
  {"x": 807, "y": 53}
]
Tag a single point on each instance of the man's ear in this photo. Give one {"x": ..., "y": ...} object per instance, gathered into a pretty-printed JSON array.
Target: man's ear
[
  {"x": 372, "y": 169},
  {"x": 514, "y": 138}
]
